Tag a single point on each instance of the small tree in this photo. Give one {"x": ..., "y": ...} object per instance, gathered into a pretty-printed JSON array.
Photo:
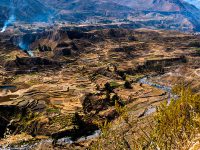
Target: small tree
[{"x": 127, "y": 85}]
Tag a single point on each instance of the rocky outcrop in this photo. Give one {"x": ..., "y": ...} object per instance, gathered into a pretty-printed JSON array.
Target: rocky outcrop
[
  {"x": 159, "y": 65},
  {"x": 27, "y": 41},
  {"x": 117, "y": 34},
  {"x": 71, "y": 48},
  {"x": 30, "y": 64},
  {"x": 13, "y": 117},
  {"x": 94, "y": 103},
  {"x": 80, "y": 128},
  {"x": 32, "y": 117},
  {"x": 65, "y": 49},
  {"x": 44, "y": 48},
  {"x": 154, "y": 65},
  {"x": 6, "y": 114},
  {"x": 126, "y": 49}
]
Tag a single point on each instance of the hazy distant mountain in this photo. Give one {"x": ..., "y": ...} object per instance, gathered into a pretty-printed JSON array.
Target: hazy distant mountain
[
  {"x": 163, "y": 14},
  {"x": 24, "y": 10},
  {"x": 189, "y": 15},
  {"x": 194, "y": 2},
  {"x": 154, "y": 5},
  {"x": 166, "y": 14},
  {"x": 82, "y": 10}
]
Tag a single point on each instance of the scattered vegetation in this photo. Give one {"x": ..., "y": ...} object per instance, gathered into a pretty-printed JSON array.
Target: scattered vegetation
[
  {"x": 178, "y": 123},
  {"x": 26, "y": 122},
  {"x": 112, "y": 138},
  {"x": 198, "y": 51},
  {"x": 53, "y": 110},
  {"x": 194, "y": 44},
  {"x": 44, "y": 48},
  {"x": 114, "y": 84},
  {"x": 110, "y": 86},
  {"x": 174, "y": 126},
  {"x": 135, "y": 77},
  {"x": 127, "y": 85}
]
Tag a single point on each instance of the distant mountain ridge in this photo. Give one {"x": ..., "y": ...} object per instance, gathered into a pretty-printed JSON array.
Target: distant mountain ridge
[
  {"x": 82, "y": 10},
  {"x": 162, "y": 14},
  {"x": 194, "y": 2},
  {"x": 167, "y": 14},
  {"x": 152, "y": 5}
]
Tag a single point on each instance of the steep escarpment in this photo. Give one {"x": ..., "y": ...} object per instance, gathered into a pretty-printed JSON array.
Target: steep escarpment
[{"x": 28, "y": 64}]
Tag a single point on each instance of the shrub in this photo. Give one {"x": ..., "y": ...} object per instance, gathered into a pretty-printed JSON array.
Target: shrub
[
  {"x": 175, "y": 126},
  {"x": 127, "y": 85},
  {"x": 194, "y": 44},
  {"x": 178, "y": 123},
  {"x": 198, "y": 51}
]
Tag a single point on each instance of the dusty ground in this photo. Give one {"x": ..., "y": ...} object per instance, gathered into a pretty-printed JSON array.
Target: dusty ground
[{"x": 90, "y": 79}]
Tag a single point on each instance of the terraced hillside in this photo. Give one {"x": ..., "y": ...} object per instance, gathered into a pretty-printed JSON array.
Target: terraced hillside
[{"x": 77, "y": 80}]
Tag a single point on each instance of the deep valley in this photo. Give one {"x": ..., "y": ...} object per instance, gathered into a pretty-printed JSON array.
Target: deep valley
[{"x": 60, "y": 85}]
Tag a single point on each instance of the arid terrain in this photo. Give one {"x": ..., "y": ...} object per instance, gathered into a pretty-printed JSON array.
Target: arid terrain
[{"x": 58, "y": 91}]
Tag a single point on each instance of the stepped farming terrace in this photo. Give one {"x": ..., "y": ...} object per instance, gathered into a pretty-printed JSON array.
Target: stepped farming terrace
[{"x": 60, "y": 88}]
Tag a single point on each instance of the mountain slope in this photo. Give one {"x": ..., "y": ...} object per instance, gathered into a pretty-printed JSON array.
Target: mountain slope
[
  {"x": 162, "y": 14},
  {"x": 178, "y": 10},
  {"x": 24, "y": 10},
  {"x": 82, "y": 10},
  {"x": 167, "y": 14},
  {"x": 153, "y": 5},
  {"x": 194, "y": 2}
]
